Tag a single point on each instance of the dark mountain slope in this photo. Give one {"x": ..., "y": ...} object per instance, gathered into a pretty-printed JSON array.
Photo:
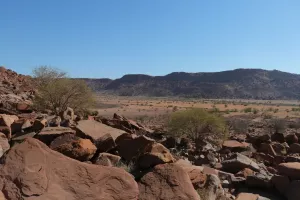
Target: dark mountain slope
[{"x": 239, "y": 83}]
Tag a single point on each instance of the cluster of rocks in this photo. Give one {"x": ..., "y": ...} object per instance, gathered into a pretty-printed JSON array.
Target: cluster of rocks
[
  {"x": 66, "y": 157},
  {"x": 16, "y": 92}
]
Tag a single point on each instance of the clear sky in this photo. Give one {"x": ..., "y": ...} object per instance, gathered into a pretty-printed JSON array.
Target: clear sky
[{"x": 110, "y": 38}]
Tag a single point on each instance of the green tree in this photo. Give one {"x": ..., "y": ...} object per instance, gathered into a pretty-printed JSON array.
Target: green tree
[
  {"x": 56, "y": 91},
  {"x": 197, "y": 123}
]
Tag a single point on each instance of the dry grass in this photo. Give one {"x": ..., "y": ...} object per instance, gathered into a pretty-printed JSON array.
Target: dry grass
[{"x": 135, "y": 107}]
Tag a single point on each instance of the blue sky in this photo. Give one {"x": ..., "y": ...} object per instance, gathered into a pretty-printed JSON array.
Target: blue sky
[{"x": 110, "y": 38}]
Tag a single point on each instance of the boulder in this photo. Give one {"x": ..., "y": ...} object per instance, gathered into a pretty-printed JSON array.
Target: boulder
[
  {"x": 33, "y": 171},
  {"x": 278, "y": 137},
  {"x": 5, "y": 123},
  {"x": 259, "y": 180},
  {"x": 165, "y": 182},
  {"x": 238, "y": 162},
  {"x": 39, "y": 124},
  {"x": 247, "y": 196},
  {"x": 245, "y": 173},
  {"x": 294, "y": 148},
  {"x": 281, "y": 183},
  {"x": 130, "y": 149},
  {"x": 212, "y": 188},
  {"x": 291, "y": 169},
  {"x": 293, "y": 191},
  {"x": 234, "y": 145},
  {"x": 107, "y": 159},
  {"x": 48, "y": 134},
  {"x": 4, "y": 145},
  {"x": 20, "y": 126},
  {"x": 95, "y": 131},
  {"x": 267, "y": 148},
  {"x": 291, "y": 138},
  {"x": 197, "y": 177},
  {"x": 153, "y": 155},
  {"x": 74, "y": 147}
]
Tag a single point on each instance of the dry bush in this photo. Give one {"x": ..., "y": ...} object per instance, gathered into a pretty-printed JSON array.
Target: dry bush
[
  {"x": 197, "y": 123},
  {"x": 56, "y": 91},
  {"x": 279, "y": 125}
]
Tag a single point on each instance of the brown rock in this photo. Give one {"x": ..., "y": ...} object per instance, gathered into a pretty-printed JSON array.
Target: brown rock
[
  {"x": 247, "y": 196},
  {"x": 107, "y": 159},
  {"x": 4, "y": 145},
  {"x": 38, "y": 125},
  {"x": 48, "y": 134},
  {"x": 291, "y": 169},
  {"x": 245, "y": 173},
  {"x": 74, "y": 147},
  {"x": 281, "y": 183},
  {"x": 166, "y": 182},
  {"x": 32, "y": 171},
  {"x": 294, "y": 148},
  {"x": 96, "y": 131},
  {"x": 130, "y": 149},
  {"x": 155, "y": 154},
  {"x": 23, "y": 107},
  {"x": 291, "y": 138},
  {"x": 235, "y": 145},
  {"x": 267, "y": 148},
  {"x": 293, "y": 191}
]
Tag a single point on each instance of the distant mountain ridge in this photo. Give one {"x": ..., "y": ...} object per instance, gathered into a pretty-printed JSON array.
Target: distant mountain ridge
[{"x": 233, "y": 84}]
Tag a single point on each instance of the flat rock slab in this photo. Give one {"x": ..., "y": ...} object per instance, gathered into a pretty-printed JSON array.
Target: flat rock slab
[
  {"x": 291, "y": 169},
  {"x": 48, "y": 134},
  {"x": 33, "y": 171},
  {"x": 95, "y": 130}
]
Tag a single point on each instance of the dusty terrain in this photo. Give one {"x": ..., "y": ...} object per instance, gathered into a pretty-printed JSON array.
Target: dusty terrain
[{"x": 145, "y": 107}]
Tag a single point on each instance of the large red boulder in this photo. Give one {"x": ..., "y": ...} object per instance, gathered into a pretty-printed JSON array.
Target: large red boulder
[
  {"x": 165, "y": 182},
  {"x": 31, "y": 170}
]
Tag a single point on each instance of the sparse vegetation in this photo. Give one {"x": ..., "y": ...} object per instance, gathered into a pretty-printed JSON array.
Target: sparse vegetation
[
  {"x": 56, "y": 91},
  {"x": 196, "y": 123}
]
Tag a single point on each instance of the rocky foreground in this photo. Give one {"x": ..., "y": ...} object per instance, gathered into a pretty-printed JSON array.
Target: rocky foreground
[
  {"x": 70, "y": 157},
  {"x": 66, "y": 157}
]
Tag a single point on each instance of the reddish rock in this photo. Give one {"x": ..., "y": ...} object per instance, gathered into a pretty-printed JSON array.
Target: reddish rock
[
  {"x": 245, "y": 173},
  {"x": 107, "y": 159},
  {"x": 23, "y": 107},
  {"x": 291, "y": 169},
  {"x": 74, "y": 147},
  {"x": 33, "y": 171},
  {"x": 166, "y": 182},
  {"x": 233, "y": 144},
  {"x": 4, "y": 145},
  {"x": 48, "y": 134},
  {"x": 130, "y": 149},
  {"x": 155, "y": 154},
  {"x": 97, "y": 132},
  {"x": 247, "y": 196}
]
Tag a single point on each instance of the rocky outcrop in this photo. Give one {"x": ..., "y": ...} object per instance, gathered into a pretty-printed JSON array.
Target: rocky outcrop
[
  {"x": 74, "y": 147},
  {"x": 33, "y": 171},
  {"x": 99, "y": 133},
  {"x": 48, "y": 134},
  {"x": 166, "y": 182}
]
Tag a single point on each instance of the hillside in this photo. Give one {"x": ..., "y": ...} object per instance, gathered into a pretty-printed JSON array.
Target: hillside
[{"x": 239, "y": 83}]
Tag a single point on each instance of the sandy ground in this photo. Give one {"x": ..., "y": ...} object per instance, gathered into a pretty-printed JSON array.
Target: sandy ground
[{"x": 134, "y": 107}]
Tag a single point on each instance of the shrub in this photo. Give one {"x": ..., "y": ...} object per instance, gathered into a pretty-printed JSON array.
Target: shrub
[
  {"x": 238, "y": 125},
  {"x": 247, "y": 110},
  {"x": 255, "y": 111},
  {"x": 196, "y": 123},
  {"x": 56, "y": 91}
]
